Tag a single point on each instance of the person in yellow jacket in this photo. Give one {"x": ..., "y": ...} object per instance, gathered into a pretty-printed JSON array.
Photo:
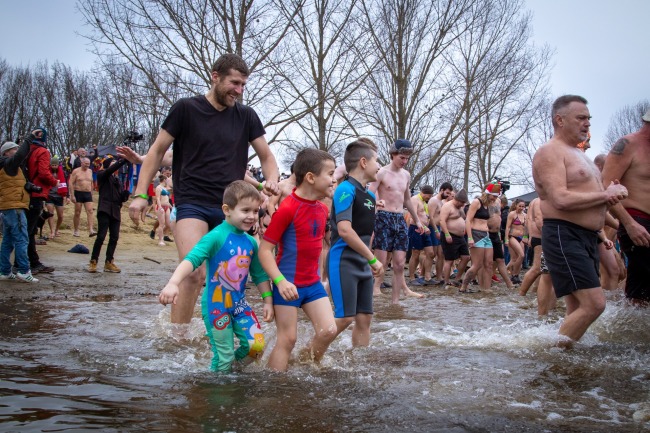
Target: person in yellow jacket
[{"x": 14, "y": 202}]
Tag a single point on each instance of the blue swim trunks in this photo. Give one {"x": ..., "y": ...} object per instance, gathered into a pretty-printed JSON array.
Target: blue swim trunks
[
  {"x": 419, "y": 241},
  {"x": 305, "y": 295},
  {"x": 391, "y": 232}
]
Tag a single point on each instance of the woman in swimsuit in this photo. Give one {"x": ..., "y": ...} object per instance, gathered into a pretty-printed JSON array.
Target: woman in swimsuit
[
  {"x": 163, "y": 207},
  {"x": 517, "y": 237},
  {"x": 478, "y": 239}
]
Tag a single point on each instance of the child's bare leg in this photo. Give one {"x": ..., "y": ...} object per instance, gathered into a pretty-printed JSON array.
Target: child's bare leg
[
  {"x": 286, "y": 322},
  {"x": 325, "y": 330},
  {"x": 361, "y": 331}
]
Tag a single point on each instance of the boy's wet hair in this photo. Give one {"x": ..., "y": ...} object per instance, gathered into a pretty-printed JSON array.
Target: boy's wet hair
[
  {"x": 361, "y": 148},
  {"x": 310, "y": 160},
  {"x": 238, "y": 191}
]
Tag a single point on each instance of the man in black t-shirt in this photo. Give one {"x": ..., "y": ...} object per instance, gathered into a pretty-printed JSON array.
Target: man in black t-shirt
[{"x": 211, "y": 134}]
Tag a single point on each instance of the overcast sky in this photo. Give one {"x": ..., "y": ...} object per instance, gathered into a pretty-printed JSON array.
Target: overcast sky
[{"x": 601, "y": 47}]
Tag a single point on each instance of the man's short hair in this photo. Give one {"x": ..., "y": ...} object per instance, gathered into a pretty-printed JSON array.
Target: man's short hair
[
  {"x": 446, "y": 185},
  {"x": 238, "y": 191},
  {"x": 229, "y": 61},
  {"x": 426, "y": 189},
  {"x": 355, "y": 151},
  {"x": 310, "y": 160},
  {"x": 562, "y": 102}
]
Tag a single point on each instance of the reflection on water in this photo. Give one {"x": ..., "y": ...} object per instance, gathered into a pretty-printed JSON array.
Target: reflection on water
[{"x": 446, "y": 363}]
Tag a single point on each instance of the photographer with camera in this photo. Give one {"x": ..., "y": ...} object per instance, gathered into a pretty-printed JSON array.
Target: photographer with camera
[
  {"x": 14, "y": 203},
  {"x": 40, "y": 175}
]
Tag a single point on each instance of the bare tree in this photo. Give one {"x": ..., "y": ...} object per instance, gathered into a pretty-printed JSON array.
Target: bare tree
[
  {"x": 407, "y": 91},
  {"x": 503, "y": 81},
  {"x": 320, "y": 71},
  {"x": 173, "y": 43},
  {"x": 625, "y": 121}
]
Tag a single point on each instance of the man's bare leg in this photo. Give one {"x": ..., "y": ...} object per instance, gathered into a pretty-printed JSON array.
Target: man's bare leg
[
  {"x": 501, "y": 266},
  {"x": 89, "y": 214},
  {"x": 399, "y": 258},
  {"x": 76, "y": 218},
  {"x": 413, "y": 263},
  {"x": 440, "y": 263},
  {"x": 534, "y": 272},
  {"x": 382, "y": 256},
  {"x": 582, "y": 308},
  {"x": 546, "y": 299},
  {"x": 188, "y": 232},
  {"x": 429, "y": 254}
]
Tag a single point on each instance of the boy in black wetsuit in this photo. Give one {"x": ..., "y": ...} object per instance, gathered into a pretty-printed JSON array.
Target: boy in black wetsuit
[{"x": 351, "y": 263}]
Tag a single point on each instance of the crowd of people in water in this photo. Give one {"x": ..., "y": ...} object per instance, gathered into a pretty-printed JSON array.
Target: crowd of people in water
[{"x": 323, "y": 237}]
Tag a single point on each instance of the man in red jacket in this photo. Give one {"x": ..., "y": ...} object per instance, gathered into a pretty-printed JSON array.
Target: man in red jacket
[{"x": 40, "y": 176}]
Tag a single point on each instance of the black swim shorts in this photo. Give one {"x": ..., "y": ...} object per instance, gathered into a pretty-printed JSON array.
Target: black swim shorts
[
  {"x": 458, "y": 247},
  {"x": 497, "y": 245},
  {"x": 637, "y": 285},
  {"x": 83, "y": 197},
  {"x": 571, "y": 254}
]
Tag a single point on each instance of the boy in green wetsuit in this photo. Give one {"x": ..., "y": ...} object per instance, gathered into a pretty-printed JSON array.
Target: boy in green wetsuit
[{"x": 230, "y": 253}]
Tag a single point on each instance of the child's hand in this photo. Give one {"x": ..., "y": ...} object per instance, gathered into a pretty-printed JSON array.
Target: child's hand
[
  {"x": 287, "y": 290},
  {"x": 169, "y": 294},
  {"x": 269, "y": 313},
  {"x": 377, "y": 268}
]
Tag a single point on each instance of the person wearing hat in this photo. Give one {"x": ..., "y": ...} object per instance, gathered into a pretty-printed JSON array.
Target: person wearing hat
[
  {"x": 38, "y": 173},
  {"x": 57, "y": 198},
  {"x": 14, "y": 203},
  {"x": 111, "y": 197},
  {"x": 452, "y": 226},
  {"x": 391, "y": 231},
  {"x": 629, "y": 161}
]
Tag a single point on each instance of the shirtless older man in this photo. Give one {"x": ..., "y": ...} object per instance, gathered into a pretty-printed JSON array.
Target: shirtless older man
[
  {"x": 573, "y": 202},
  {"x": 629, "y": 161},
  {"x": 452, "y": 227},
  {"x": 80, "y": 186},
  {"x": 391, "y": 232},
  {"x": 435, "y": 204}
]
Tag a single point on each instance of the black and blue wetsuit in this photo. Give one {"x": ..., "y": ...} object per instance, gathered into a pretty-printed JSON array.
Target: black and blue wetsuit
[{"x": 350, "y": 276}]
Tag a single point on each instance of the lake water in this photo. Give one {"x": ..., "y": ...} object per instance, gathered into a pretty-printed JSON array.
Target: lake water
[{"x": 77, "y": 359}]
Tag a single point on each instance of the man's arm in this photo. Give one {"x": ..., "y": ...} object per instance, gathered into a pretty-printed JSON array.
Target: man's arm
[
  {"x": 444, "y": 215},
  {"x": 153, "y": 160},
  {"x": 71, "y": 181},
  {"x": 618, "y": 161},
  {"x": 550, "y": 175},
  {"x": 408, "y": 204},
  {"x": 268, "y": 163}
]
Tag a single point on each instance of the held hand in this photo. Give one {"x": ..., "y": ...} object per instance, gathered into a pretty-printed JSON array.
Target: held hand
[
  {"x": 287, "y": 290},
  {"x": 377, "y": 269},
  {"x": 271, "y": 188},
  {"x": 638, "y": 234},
  {"x": 380, "y": 204},
  {"x": 169, "y": 294},
  {"x": 137, "y": 208},
  {"x": 268, "y": 312},
  {"x": 608, "y": 244}
]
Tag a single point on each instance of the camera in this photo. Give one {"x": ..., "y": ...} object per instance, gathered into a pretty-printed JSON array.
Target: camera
[
  {"x": 30, "y": 187},
  {"x": 505, "y": 184},
  {"x": 133, "y": 137}
]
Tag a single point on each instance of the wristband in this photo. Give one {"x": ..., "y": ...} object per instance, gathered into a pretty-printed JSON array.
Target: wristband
[
  {"x": 447, "y": 235},
  {"x": 266, "y": 294},
  {"x": 260, "y": 187},
  {"x": 372, "y": 261},
  {"x": 277, "y": 279},
  {"x": 144, "y": 196},
  {"x": 525, "y": 236},
  {"x": 470, "y": 239},
  {"x": 436, "y": 231}
]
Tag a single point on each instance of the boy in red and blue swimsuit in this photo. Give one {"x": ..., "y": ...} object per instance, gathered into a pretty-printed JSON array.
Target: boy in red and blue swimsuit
[{"x": 297, "y": 229}]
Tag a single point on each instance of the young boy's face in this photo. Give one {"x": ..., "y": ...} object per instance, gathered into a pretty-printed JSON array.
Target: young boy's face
[
  {"x": 244, "y": 215},
  {"x": 324, "y": 181},
  {"x": 372, "y": 168}
]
